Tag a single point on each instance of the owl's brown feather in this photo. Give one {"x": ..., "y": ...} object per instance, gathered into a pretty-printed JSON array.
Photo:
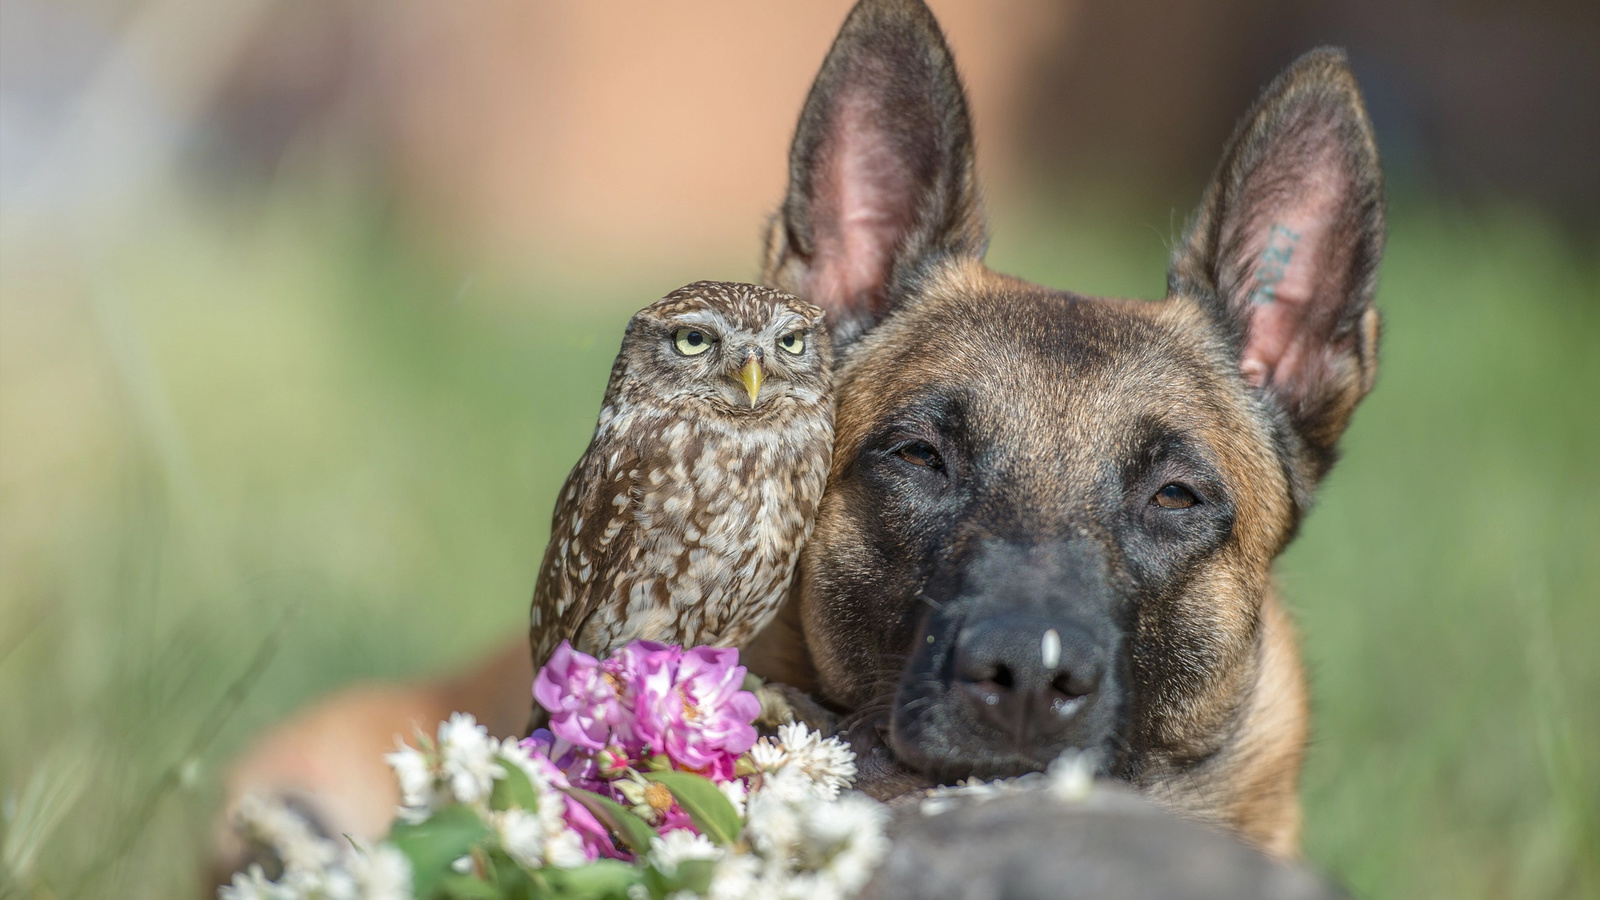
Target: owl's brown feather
[
  {"x": 591, "y": 537},
  {"x": 683, "y": 521}
]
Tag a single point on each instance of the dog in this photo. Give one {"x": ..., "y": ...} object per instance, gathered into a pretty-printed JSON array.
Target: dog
[{"x": 1051, "y": 519}]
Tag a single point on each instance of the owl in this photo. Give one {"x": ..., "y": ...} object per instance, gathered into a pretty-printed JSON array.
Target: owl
[{"x": 683, "y": 521}]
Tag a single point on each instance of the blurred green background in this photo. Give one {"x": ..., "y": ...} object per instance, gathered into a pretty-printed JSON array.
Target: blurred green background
[{"x": 272, "y": 419}]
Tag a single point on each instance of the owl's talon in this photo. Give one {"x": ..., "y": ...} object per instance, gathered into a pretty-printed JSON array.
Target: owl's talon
[{"x": 782, "y": 704}]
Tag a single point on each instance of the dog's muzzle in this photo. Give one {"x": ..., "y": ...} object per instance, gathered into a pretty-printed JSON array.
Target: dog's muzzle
[
  {"x": 1026, "y": 675},
  {"x": 1019, "y": 664}
]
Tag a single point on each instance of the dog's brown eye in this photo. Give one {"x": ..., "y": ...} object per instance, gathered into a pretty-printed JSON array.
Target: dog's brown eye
[
  {"x": 1175, "y": 496},
  {"x": 921, "y": 455}
]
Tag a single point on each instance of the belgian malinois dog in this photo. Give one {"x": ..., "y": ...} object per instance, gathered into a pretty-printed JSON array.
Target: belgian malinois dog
[{"x": 1051, "y": 519}]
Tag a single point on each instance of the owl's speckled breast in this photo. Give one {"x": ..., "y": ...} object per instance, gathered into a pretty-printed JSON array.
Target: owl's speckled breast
[{"x": 722, "y": 513}]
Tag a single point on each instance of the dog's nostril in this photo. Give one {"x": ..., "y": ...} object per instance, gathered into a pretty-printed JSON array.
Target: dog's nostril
[
  {"x": 1075, "y": 684},
  {"x": 1003, "y": 678}
]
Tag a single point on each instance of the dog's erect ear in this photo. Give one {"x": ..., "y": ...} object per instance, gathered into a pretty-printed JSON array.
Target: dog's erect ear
[
  {"x": 881, "y": 169},
  {"x": 1286, "y": 245}
]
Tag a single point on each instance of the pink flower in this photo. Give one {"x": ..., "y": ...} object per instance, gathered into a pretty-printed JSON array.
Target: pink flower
[
  {"x": 583, "y": 702},
  {"x": 690, "y": 706},
  {"x": 643, "y": 669},
  {"x": 596, "y": 839}
]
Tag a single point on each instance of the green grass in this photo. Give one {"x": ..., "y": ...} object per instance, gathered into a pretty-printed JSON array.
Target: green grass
[{"x": 300, "y": 438}]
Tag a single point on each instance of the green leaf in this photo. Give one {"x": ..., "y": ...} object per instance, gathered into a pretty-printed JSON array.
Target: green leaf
[
  {"x": 515, "y": 790},
  {"x": 433, "y": 845},
  {"x": 634, "y": 832},
  {"x": 466, "y": 887},
  {"x": 603, "y": 878},
  {"x": 514, "y": 882},
  {"x": 694, "y": 875},
  {"x": 711, "y": 810}
]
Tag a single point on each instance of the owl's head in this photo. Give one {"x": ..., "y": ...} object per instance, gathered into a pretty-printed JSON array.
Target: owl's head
[{"x": 738, "y": 347}]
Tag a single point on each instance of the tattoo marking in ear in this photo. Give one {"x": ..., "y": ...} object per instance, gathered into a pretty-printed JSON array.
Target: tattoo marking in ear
[{"x": 1274, "y": 260}]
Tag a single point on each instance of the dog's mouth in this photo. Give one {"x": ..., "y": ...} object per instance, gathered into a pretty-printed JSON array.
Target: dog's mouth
[{"x": 881, "y": 773}]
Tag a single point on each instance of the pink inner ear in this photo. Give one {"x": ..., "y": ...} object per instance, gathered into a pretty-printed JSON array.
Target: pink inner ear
[
  {"x": 863, "y": 210},
  {"x": 1285, "y": 286}
]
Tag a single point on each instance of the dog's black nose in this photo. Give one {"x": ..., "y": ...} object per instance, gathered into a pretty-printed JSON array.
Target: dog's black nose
[{"x": 1028, "y": 676}]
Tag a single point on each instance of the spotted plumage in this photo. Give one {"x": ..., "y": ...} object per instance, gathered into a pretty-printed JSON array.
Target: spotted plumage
[{"x": 683, "y": 520}]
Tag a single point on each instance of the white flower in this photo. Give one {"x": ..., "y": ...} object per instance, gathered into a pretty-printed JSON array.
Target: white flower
[
  {"x": 773, "y": 824},
  {"x": 1071, "y": 776},
  {"x": 512, "y": 751},
  {"x": 809, "y": 847},
  {"x": 522, "y": 836},
  {"x": 768, "y": 755},
  {"x": 416, "y": 777},
  {"x": 827, "y": 764},
  {"x": 382, "y": 873},
  {"x": 677, "y": 846},
  {"x": 736, "y": 877},
  {"x": 252, "y": 884},
  {"x": 469, "y": 758},
  {"x": 273, "y": 824},
  {"x": 848, "y": 834},
  {"x": 942, "y": 799},
  {"x": 565, "y": 850},
  {"x": 539, "y": 839},
  {"x": 829, "y": 761},
  {"x": 333, "y": 883},
  {"x": 790, "y": 784},
  {"x": 736, "y": 792}
]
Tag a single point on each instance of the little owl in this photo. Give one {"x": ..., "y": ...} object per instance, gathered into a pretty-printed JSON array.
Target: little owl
[{"x": 683, "y": 520}]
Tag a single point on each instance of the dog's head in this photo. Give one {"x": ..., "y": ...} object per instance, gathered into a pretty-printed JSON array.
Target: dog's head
[{"x": 1051, "y": 518}]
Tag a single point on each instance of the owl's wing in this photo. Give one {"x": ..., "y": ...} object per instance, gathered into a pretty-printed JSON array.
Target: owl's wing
[{"x": 591, "y": 541}]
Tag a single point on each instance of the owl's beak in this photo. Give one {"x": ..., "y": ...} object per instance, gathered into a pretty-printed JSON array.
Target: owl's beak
[{"x": 751, "y": 375}]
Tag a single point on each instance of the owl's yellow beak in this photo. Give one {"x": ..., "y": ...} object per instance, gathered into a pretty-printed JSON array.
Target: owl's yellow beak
[{"x": 751, "y": 375}]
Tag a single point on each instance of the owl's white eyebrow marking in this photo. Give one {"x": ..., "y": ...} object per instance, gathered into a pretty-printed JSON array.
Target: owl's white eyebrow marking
[
  {"x": 702, "y": 318},
  {"x": 788, "y": 323}
]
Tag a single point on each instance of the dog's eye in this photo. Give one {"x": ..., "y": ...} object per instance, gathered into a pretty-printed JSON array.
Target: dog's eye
[
  {"x": 691, "y": 341},
  {"x": 794, "y": 342},
  {"x": 920, "y": 454},
  {"x": 1175, "y": 496}
]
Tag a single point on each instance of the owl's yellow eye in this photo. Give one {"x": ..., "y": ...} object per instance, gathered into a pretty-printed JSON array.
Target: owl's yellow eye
[
  {"x": 691, "y": 341},
  {"x": 794, "y": 342}
]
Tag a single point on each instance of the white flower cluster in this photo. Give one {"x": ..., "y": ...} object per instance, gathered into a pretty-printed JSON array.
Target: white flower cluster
[
  {"x": 801, "y": 760},
  {"x": 314, "y": 868},
  {"x": 805, "y": 835},
  {"x": 1068, "y": 779},
  {"x": 461, "y": 768},
  {"x": 803, "y": 849},
  {"x": 806, "y": 839},
  {"x": 464, "y": 768}
]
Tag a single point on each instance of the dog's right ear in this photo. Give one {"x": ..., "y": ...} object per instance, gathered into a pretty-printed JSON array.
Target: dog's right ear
[
  {"x": 880, "y": 172},
  {"x": 1285, "y": 250}
]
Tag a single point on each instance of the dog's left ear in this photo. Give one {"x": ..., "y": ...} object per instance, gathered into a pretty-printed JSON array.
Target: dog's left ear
[{"x": 1286, "y": 248}]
